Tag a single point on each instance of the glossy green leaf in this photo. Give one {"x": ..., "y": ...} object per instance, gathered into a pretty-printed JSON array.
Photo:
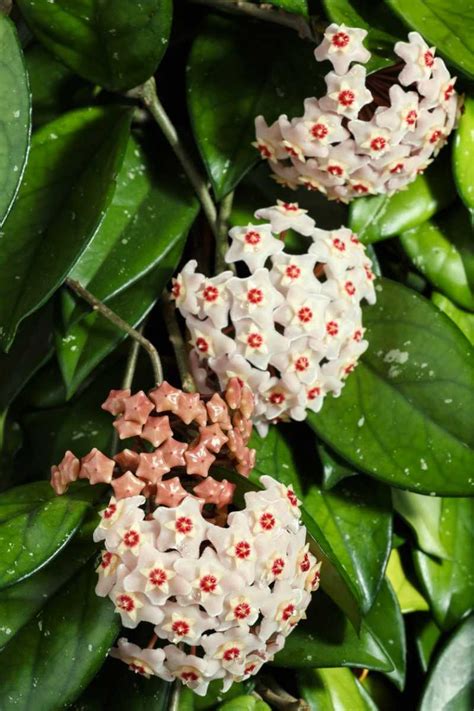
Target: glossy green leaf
[
  {"x": 378, "y": 217},
  {"x": 54, "y": 87},
  {"x": 15, "y": 122},
  {"x": 423, "y": 514},
  {"x": 384, "y": 29},
  {"x": 54, "y": 656},
  {"x": 151, "y": 211},
  {"x": 83, "y": 346},
  {"x": 132, "y": 692},
  {"x": 449, "y": 685},
  {"x": 68, "y": 183},
  {"x": 449, "y": 583},
  {"x": 299, "y": 7},
  {"x": 463, "y": 320},
  {"x": 427, "y": 634},
  {"x": 333, "y": 690},
  {"x": 35, "y": 525},
  {"x": 110, "y": 43},
  {"x": 244, "y": 703},
  {"x": 404, "y": 415},
  {"x": 335, "y": 469},
  {"x": 31, "y": 348},
  {"x": 463, "y": 165},
  {"x": 356, "y": 518},
  {"x": 327, "y": 639},
  {"x": 437, "y": 247},
  {"x": 447, "y": 24},
  {"x": 277, "y": 456},
  {"x": 237, "y": 71},
  {"x": 409, "y": 599},
  {"x": 20, "y": 602}
]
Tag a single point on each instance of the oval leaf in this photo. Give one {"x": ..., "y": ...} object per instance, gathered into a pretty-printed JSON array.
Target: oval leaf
[
  {"x": 378, "y": 217},
  {"x": 68, "y": 182},
  {"x": 463, "y": 165},
  {"x": 333, "y": 689},
  {"x": 109, "y": 43},
  {"x": 423, "y": 514},
  {"x": 404, "y": 415},
  {"x": 15, "y": 123}
]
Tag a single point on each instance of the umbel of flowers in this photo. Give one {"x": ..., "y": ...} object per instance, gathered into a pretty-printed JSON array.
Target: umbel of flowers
[
  {"x": 292, "y": 330},
  {"x": 221, "y": 587},
  {"x": 368, "y": 134}
]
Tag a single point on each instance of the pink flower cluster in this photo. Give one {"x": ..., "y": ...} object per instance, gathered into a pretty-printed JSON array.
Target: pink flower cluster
[
  {"x": 292, "y": 330},
  {"x": 369, "y": 134},
  {"x": 215, "y": 430},
  {"x": 222, "y": 598}
]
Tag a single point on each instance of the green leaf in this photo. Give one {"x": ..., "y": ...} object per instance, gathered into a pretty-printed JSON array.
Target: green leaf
[
  {"x": 408, "y": 596},
  {"x": 276, "y": 456},
  {"x": 31, "y": 348},
  {"x": 427, "y": 634},
  {"x": 237, "y": 71},
  {"x": 379, "y": 217},
  {"x": 109, "y": 43},
  {"x": 15, "y": 123},
  {"x": 356, "y": 518},
  {"x": 54, "y": 87},
  {"x": 463, "y": 320},
  {"x": 448, "y": 25},
  {"x": 335, "y": 469},
  {"x": 35, "y": 525},
  {"x": 133, "y": 692},
  {"x": 423, "y": 514},
  {"x": 404, "y": 415},
  {"x": 463, "y": 167},
  {"x": 20, "y": 602},
  {"x": 68, "y": 183},
  {"x": 151, "y": 212},
  {"x": 449, "y": 685},
  {"x": 327, "y": 639},
  {"x": 244, "y": 703},
  {"x": 437, "y": 247},
  {"x": 54, "y": 656},
  {"x": 383, "y": 28},
  {"x": 333, "y": 690},
  {"x": 448, "y": 584},
  {"x": 299, "y": 7}
]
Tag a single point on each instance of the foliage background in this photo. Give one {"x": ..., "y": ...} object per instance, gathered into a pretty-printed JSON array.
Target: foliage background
[{"x": 90, "y": 189}]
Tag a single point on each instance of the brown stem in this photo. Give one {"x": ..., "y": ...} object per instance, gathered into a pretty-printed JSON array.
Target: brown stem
[
  {"x": 177, "y": 341},
  {"x": 114, "y": 318}
]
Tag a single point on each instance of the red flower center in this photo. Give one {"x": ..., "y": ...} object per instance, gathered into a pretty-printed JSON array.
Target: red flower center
[
  {"x": 250, "y": 668},
  {"x": 176, "y": 289},
  {"x": 448, "y": 92},
  {"x": 255, "y": 296},
  {"x": 184, "y": 524},
  {"x": 319, "y": 131},
  {"x": 314, "y": 393},
  {"x": 332, "y": 328},
  {"x": 316, "y": 579},
  {"x": 292, "y": 498},
  {"x": 302, "y": 364},
  {"x": 242, "y": 610},
  {"x": 106, "y": 559},
  {"x": 254, "y": 340},
  {"x": 429, "y": 58},
  {"x": 336, "y": 170},
  {"x": 211, "y": 293},
  {"x": 278, "y": 565},
  {"x": 340, "y": 39},
  {"x": 131, "y": 538},
  {"x": 411, "y": 117},
  {"x": 290, "y": 206},
  {"x": 110, "y": 510},
  {"x": 242, "y": 550},
  {"x": 202, "y": 345},
  {"x": 189, "y": 676},
  {"x": 267, "y": 521},
  {"x": 277, "y": 398},
  {"x": 357, "y": 335},
  {"x": 157, "y": 577},
  {"x": 369, "y": 274},
  {"x": 305, "y": 314},
  {"x": 435, "y": 136},
  {"x": 180, "y": 627},
  {"x": 360, "y": 188},
  {"x": 349, "y": 368},
  {"x": 125, "y": 603},
  {"x": 339, "y": 245},
  {"x": 208, "y": 583},
  {"x": 264, "y": 152},
  {"x": 378, "y": 143},
  {"x": 346, "y": 97},
  {"x": 354, "y": 239},
  {"x": 305, "y": 563},
  {"x": 252, "y": 238},
  {"x": 397, "y": 168},
  {"x": 288, "y": 611},
  {"x": 137, "y": 668},
  {"x": 350, "y": 288},
  {"x": 231, "y": 653},
  {"x": 292, "y": 271}
]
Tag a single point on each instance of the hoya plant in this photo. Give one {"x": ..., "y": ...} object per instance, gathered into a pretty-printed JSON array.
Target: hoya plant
[{"x": 236, "y": 368}]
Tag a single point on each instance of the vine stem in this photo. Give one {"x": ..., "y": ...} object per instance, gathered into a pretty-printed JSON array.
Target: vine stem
[
  {"x": 222, "y": 227},
  {"x": 127, "y": 380},
  {"x": 114, "y": 318},
  {"x": 177, "y": 341},
  {"x": 147, "y": 93},
  {"x": 264, "y": 12}
]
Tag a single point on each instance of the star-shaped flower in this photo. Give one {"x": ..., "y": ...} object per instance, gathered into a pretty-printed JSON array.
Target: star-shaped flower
[
  {"x": 253, "y": 245},
  {"x": 342, "y": 45},
  {"x": 287, "y": 216}
]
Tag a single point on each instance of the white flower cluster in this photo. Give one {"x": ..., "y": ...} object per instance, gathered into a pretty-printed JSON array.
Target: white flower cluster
[
  {"x": 368, "y": 134},
  {"x": 228, "y": 596},
  {"x": 291, "y": 332}
]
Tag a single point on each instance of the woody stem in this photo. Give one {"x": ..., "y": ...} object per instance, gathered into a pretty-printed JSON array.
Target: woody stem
[
  {"x": 177, "y": 341},
  {"x": 114, "y": 318}
]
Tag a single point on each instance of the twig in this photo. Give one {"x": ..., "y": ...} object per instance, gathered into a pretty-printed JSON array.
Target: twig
[
  {"x": 128, "y": 379},
  {"x": 147, "y": 93},
  {"x": 177, "y": 341},
  {"x": 269, "y": 689},
  {"x": 114, "y": 318},
  {"x": 264, "y": 12},
  {"x": 223, "y": 226}
]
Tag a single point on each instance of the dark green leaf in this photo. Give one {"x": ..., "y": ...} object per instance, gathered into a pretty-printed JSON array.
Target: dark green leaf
[
  {"x": 53, "y": 657},
  {"x": 333, "y": 690},
  {"x": 437, "y": 248},
  {"x": 423, "y": 514},
  {"x": 463, "y": 166},
  {"x": 450, "y": 683},
  {"x": 151, "y": 211},
  {"x": 236, "y": 72},
  {"x": 463, "y": 320},
  {"x": 449, "y": 583},
  {"x": 300, "y": 7},
  {"x": 68, "y": 183},
  {"x": 130, "y": 692},
  {"x": 15, "y": 123},
  {"x": 35, "y": 525},
  {"x": 379, "y": 217},
  {"x": 244, "y": 703},
  {"x": 111, "y": 43},
  {"x": 383, "y": 28},
  {"x": 54, "y": 87},
  {"x": 335, "y": 469},
  {"x": 447, "y": 24},
  {"x": 409, "y": 599},
  {"x": 404, "y": 415},
  {"x": 427, "y": 634},
  {"x": 277, "y": 457}
]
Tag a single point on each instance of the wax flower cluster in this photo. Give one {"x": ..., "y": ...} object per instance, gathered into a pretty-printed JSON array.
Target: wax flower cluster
[
  {"x": 369, "y": 134},
  {"x": 292, "y": 330},
  {"x": 221, "y": 586}
]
